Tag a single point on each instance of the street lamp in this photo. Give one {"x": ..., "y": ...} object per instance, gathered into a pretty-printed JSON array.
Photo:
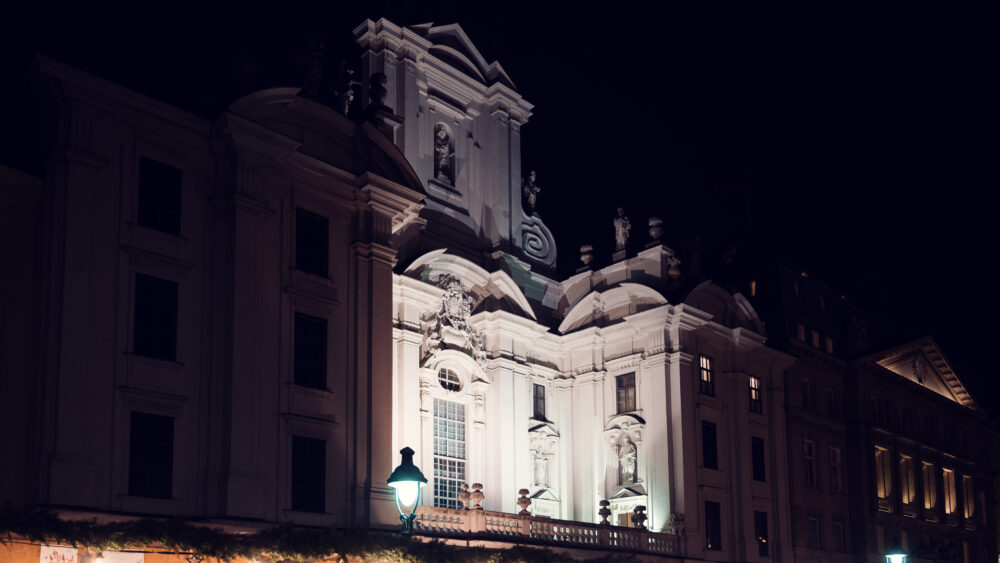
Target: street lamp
[
  {"x": 407, "y": 481},
  {"x": 895, "y": 554}
]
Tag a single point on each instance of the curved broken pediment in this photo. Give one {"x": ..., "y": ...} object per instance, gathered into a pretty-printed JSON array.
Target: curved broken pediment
[{"x": 611, "y": 305}]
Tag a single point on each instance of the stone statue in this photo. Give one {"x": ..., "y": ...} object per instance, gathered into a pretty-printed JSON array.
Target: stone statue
[
  {"x": 622, "y": 228},
  {"x": 442, "y": 154},
  {"x": 541, "y": 471},
  {"x": 626, "y": 462},
  {"x": 345, "y": 89},
  {"x": 530, "y": 190}
]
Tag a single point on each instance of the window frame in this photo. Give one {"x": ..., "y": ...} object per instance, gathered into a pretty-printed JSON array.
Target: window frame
[
  {"x": 756, "y": 394},
  {"x": 538, "y": 402},
  {"x": 713, "y": 525},
  {"x": 706, "y": 375},
  {"x": 709, "y": 428},
  {"x": 151, "y": 459},
  {"x": 155, "y": 308},
  {"x": 758, "y": 456},
  {"x": 308, "y": 372},
  {"x": 625, "y": 396},
  {"x": 809, "y": 476}
]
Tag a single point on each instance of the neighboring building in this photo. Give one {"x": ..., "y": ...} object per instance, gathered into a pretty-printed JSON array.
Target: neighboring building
[{"x": 244, "y": 320}]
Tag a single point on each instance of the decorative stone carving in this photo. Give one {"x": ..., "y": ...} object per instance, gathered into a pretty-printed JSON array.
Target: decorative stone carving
[
  {"x": 530, "y": 190},
  {"x": 675, "y": 524},
  {"x": 639, "y": 517},
  {"x": 453, "y": 317},
  {"x": 464, "y": 495},
  {"x": 477, "y": 496},
  {"x": 655, "y": 229},
  {"x": 604, "y": 512},
  {"x": 587, "y": 254},
  {"x": 626, "y": 463},
  {"x": 541, "y": 470},
  {"x": 537, "y": 241},
  {"x": 444, "y": 154},
  {"x": 622, "y": 229},
  {"x": 523, "y": 502}
]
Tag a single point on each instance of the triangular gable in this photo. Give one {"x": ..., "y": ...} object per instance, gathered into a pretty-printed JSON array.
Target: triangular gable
[
  {"x": 922, "y": 362},
  {"x": 452, "y": 41}
]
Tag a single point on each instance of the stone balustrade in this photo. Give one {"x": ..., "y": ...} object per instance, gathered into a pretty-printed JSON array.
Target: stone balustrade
[{"x": 490, "y": 525}]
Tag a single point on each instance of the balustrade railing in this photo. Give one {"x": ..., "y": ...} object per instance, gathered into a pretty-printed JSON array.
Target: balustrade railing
[{"x": 487, "y": 524}]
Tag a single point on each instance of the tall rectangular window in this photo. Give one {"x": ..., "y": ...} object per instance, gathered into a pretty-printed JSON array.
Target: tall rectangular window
[
  {"x": 907, "y": 479},
  {"x": 706, "y": 372},
  {"x": 829, "y": 345},
  {"x": 312, "y": 243},
  {"x": 968, "y": 496},
  {"x": 310, "y": 351},
  {"x": 755, "y": 395},
  {"x": 713, "y": 525},
  {"x": 809, "y": 462},
  {"x": 709, "y": 445},
  {"x": 814, "y": 535},
  {"x": 308, "y": 474},
  {"x": 757, "y": 453},
  {"x": 159, "y": 196},
  {"x": 760, "y": 530},
  {"x": 836, "y": 470},
  {"x": 154, "y": 332},
  {"x": 150, "y": 455},
  {"x": 625, "y": 387},
  {"x": 948, "y": 483},
  {"x": 539, "y": 402},
  {"x": 929, "y": 482},
  {"x": 839, "y": 539},
  {"x": 831, "y": 403},
  {"x": 807, "y": 394},
  {"x": 800, "y": 332},
  {"x": 883, "y": 473},
  {"x": 815, "y": 338},
  {"x": 449, "y": 452}
]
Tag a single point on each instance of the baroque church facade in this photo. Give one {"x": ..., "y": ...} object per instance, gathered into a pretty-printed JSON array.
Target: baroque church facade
[{"x": 245, "y": 319}]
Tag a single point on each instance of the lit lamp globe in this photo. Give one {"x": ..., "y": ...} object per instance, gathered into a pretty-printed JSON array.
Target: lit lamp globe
[
  {"x": 407, "y": 480},
  {"x": 895, "y": 555}
]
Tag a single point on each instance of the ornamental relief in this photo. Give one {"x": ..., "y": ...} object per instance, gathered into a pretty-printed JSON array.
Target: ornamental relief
[{"x": 448, "y": 327}]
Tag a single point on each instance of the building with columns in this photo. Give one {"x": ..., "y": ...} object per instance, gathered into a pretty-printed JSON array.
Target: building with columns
[{"x": 243, "y": 319}]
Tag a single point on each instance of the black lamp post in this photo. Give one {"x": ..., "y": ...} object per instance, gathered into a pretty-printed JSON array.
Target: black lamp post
[{"x": 407, "y": 480}]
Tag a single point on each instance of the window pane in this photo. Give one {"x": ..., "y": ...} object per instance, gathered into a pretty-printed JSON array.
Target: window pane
[
  {"x": 713, "y": 525},
  {"x": 155, "y": 328},
  {"x": 757, "y": 450},
  {"x": 709, "y": 446},
  {"x": 760, "y": 530},
  {"x": 151, "y": 455},
  {"x": 449, "y": 452}
]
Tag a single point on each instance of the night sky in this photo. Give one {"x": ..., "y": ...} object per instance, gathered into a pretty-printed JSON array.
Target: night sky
[{"x": 856, "y": 141}]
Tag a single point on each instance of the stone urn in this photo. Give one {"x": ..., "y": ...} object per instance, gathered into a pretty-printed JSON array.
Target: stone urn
[
  {"x": 674, "y": 272},
  {"x": 523, "y": 502},
  {"x": 655, "y": 229},
  {"x": 463, "y": 496},
  {"x": 639, "y": 517},
  {"x": 605, "y": 512},
  {"x": 477, "y": 496}
]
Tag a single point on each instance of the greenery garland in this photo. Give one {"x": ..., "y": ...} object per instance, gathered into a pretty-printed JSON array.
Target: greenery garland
[{"x": 284, "y": 542}]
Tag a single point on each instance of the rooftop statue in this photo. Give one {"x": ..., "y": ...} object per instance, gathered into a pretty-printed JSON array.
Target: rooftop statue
[
  {"x": 530, "y": 190},
  {"x": 622, "y": 228}
]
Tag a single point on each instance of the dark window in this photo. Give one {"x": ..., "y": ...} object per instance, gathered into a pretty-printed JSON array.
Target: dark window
[
  {"x": 831, "y": 403},
  {"x": 713, "y": 525},
  {"x": 757, "y": 451},
  {"x": 626, "y": 392},
  {"x": 308, "y": 474},
  {"x": 155, "y": 330},
  {"x": 839, "y": 540},
  {"x": 312, "y": 236},
  {"x": 151, "y": 455},
  {"x": 709, "y": 450},
  {"x": 760, "y": 530},
  {"x": 756, "y": 404},
  {"x": 813, "y": 536},
  {"x": 809, "y": 465},
  {"x": 807, "y": 394},
  {"x": 539, "y": 402},
  {"x": 706, "y": 371},
  {"x": 310, "y": 351},
  {"x": 159, "y": 196}
]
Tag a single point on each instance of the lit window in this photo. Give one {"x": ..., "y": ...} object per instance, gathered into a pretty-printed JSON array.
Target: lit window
[
  {"x": 755, "y": 394},
  {"x": 760, "y": 530},
  {"x": 883, "y": 473},
  {"x": 948, "y": 482},
  {"x": 539, "y": 402},
  {"x": 930, "y": 485},
  {"x": 707, "y": 375},
  {"x": 449, "y": 380},
  {"x": 449, "y": 452},
  {"x": 836, "y": 473},
  {"x": 968, "y": 496},
  {"x": 809, "y": 458},
  {"x": 625, "y": 386},
  {"x": 907, "y": 482}
]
